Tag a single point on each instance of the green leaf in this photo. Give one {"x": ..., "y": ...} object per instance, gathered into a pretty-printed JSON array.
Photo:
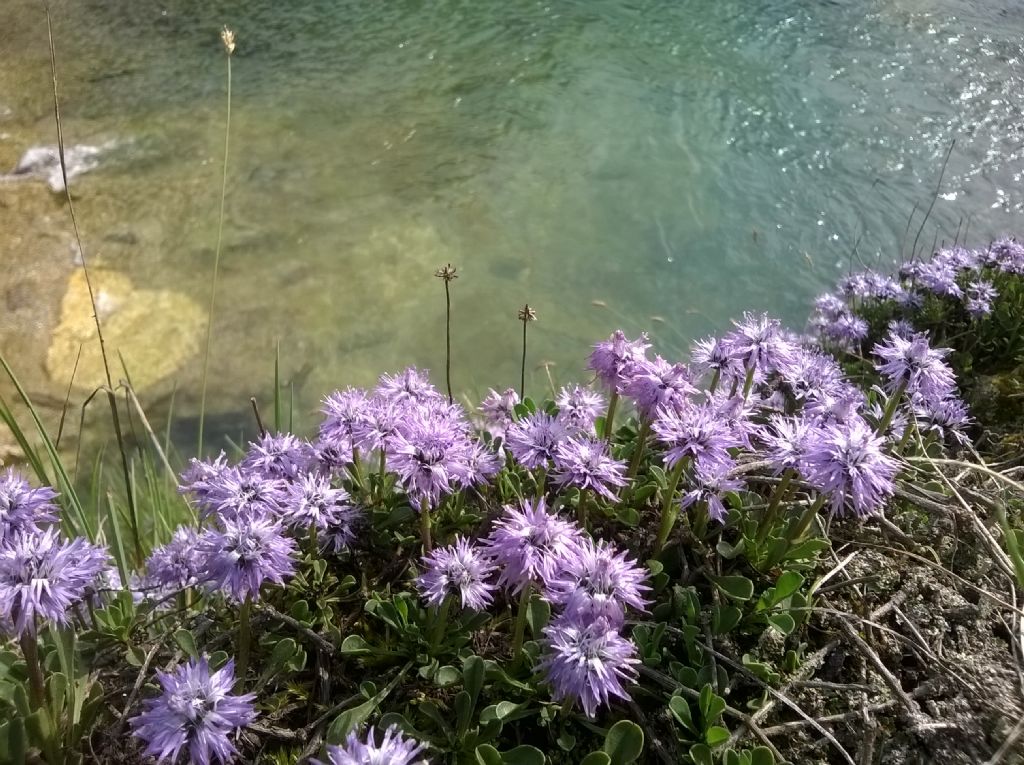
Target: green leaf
[
  {"x": 711, "y": 705},
  {"x": 806, "y": 549},
  {"x": 737, "y": 587},
  {"x": 354, "y": 645},
  {"x": 446, "y": 675},
  {"x": 596, "y": 758},
  {"x": 538, "y": 615},
  {"x": 761, "y": 755},
  {"x": 788, "y": 583},
  {"x": 624, "y": 742},
  {"x": 566, "y": 741},
  {"x": 523, "y": 755},
  {"x": 680, "y": 709},
  {"x": 716, "y": 735},
  {"x": 463, "y": 713},
  {"x": 701, "y": 755},
  {"x": 473, "y": 678},
  {"x": 784, "y": 623},
  {"x": 487, "y": 755},
  {"x": 724, "y": 619},
  {"x": 351, "y": 718}
]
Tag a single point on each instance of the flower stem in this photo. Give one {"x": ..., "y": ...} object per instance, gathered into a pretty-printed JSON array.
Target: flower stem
[
  {"x": 581, "y": 509},
  {"x": 770, "y": 515},
  {"x": 448, "y": 338},
  {"x": 609, "y": 418},
  {"x": 714, "y": 382},
  {"x": 428, "y": 543},
  {"x": 890, "y": 408},
  {"x": 748, "y": 383},
  {"x": 522, "y": 367},
  {"x": 244, "y": 636},
  {"x": 30, "y": 650},
  {"x": 440, "y": 623},
  {"x": 668, "y": 512},
  {"x": 520, "y": 628},
  {"x": 800, "y": 528},
  {"x": 641, "y": 444}
]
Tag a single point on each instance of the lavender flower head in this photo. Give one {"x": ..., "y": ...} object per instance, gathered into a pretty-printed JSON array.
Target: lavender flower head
[
  {"x": 533, "y": 440},
  {"x": 460, "y": 570},
  {"x": 656, "y": 383},
  {"x": 611, "y": 357},
  {"x": 498, "y": 410},
  {"x": 247, "y": 552},
  {"x": 698, "y": 432},
  {"x": 757, "y": 343},
  {"x": 195, "y": 715},
  {"x": 711, "y": 354},
  {"x": 786, "y": 439},
  {"x": 946, "y": 417},
  {"x": 342, "y": 410},
  {"x": 42, "y": 576},
  {"x": 177, "y": 564},
  {"x": 312, "y": 501},
  {"x": 595, "y": 580},
  {"x": 408, "y": 386},
  {"x": 980, "y": 295},
  {"x": 587, "y": 662},
  {"x": 584, "y": 462},
  {"x": 579, "y": 407},
  {"x": 524, "y": 538},
  {"x": 380, "y": 423},
  {"x": 430, "y": 455},
  {"x": 847, "y": 463},
  {"x": 394, "y": 749},
  {"x": 23, "y": 507},
  {"x": 911, "y": 362},
  {"x": 277, "y": 456},
  {"x": 235, "y": 492},
  {"x": 201, "y": 479},
  {"x": 712, "y": 482}
]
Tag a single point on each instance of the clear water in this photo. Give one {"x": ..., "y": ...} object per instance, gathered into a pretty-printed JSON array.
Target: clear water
[{"x": 659, "y": 165}]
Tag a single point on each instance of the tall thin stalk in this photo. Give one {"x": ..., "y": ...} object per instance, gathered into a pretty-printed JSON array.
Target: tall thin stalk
[
  {"x": 30, "y": 652},
  {"x": 228, "y": 38},
  {"x": 448, "y": 275},
  {"x": 244, "y": 639},
  {"x": 111, "y": 396},
  {"x": 526, "y": 315},
  {"x": 668, "y": 512}
]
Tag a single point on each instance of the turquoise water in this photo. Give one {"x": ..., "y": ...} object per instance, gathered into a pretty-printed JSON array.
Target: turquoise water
[{"x": 658, "y": 165}]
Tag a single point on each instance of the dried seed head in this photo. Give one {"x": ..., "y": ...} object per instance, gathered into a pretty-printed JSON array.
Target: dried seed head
[
  {"x": 527, "y": 314},
  {"x": 447, "y": 273},
  {"x": 228, "y": 38}
]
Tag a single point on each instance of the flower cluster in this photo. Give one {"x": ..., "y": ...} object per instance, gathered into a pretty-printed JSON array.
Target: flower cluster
[{"x": 43, "y": 574}]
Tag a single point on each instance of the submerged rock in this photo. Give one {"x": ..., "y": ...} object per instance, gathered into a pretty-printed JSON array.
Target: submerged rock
[
  {"x": 155, "y": 331},
  {"x": 43, "y": 162}
]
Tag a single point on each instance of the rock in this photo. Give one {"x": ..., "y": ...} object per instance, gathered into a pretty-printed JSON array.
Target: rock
[
  {"x": 155, "y": 331},
  {"x": 44, "y": 162}
]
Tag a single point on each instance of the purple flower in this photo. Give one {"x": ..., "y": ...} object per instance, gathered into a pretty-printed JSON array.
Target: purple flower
[
  {"x": 523, "y": 539},
  {"x": 939, "y": 277},
  {"x": 910, "y": 362},
  {"x": 195, "y": 715},
  {"x": 839, "y": 405},
  {"x": 277, "y": 456},
  {"x": 786, "y": 439},
  {"x": 694, "y": 431},
  {"x": 430, "y": 455},
  {"x": 42, "y": 576},
  {"x": 22, "y": 507},
  {"x": 846, "y": 462},
  {"x": 657, "y": 383},
  {"x": 177, "y": 564},
  {"x": 201, "y": 479},
  {"x": 592, "y": 580},
  {"x": 394, "y": 749},
  {"x": 810, "y": 375},
  {"x": 342, "y": 410},
  {"x": 611, "y": 357},
  {"x": 380, "y": 424},
  {"x": 312, "y": 501},
  {"x": 247, "y": 552},
  {"x": 461, "y": 570},
  {"x": 712, "y": 483},
  {"x": 330, "y": 457},
  {"x": 946, "y": 417},
  {"x": 587, "y": 662},
  {"x": 1007, "y": 255},
  {"x": 584, "y": 462},
  {"x": 846, "y": 328},
  {"x": 712, "y": 354},
  {"x": 757, "y": 343},
  {"x": 408, "y": 386},
  {"x": 830, "y": 306},
  {"x": 498, "y": 411},
  {"x": 234, "y": 492},
  {"x": 579, "y": 407},
  {"x": 481, "y": 465},
  {"x": 980, "y": 295},
  {"x": 533, "y": 439}
]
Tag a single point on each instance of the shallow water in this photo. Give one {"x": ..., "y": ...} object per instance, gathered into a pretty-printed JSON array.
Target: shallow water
[{"x": 658, "y": 166}]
